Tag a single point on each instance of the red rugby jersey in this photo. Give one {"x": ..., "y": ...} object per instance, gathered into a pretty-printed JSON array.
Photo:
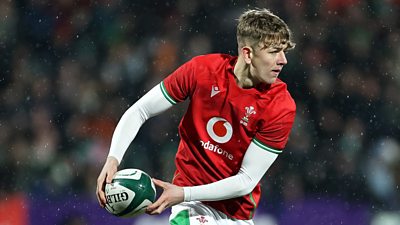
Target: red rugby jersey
[{"x": 221, "y": 121}]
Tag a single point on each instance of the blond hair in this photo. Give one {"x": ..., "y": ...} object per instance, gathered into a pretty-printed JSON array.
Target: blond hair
[{"x": 261, "y": 26}]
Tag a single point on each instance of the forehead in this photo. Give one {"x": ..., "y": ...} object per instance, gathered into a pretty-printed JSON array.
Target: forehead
[{"x": 274, "y": 46}]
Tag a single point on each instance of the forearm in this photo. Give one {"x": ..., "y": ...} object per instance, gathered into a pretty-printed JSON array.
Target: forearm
[
  {"x": 230, "y": 187},
  {"x": 151, "y": 104},
  {"x": 255, "y": 163}
]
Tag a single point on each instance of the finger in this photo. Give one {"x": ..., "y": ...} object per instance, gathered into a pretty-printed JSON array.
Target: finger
[
  {"x": 100, "y": 191},
  {"x": 160, "y": 209},
  {"x": 155, "y": 205},
  {"x": 101, "y": 197},
  {"x": 159, "y": 183},
  {"x": 109, "y": 178}
]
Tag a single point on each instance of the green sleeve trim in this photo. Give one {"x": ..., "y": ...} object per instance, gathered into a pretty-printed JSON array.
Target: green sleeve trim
[
  {"x": 254, "y": 204},
  {"x": 182, "y": 218},
  {"x": 263, "y": 146},
  {"x": 165, "y": 93}
]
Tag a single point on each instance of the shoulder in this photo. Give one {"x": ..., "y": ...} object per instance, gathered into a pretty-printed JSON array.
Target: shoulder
[
  {"x": 211, "y": 61},
  {"x": 280, "y": 94}
]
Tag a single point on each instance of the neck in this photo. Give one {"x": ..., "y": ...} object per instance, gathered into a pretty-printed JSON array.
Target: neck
[{"x": 242, "y": 74}]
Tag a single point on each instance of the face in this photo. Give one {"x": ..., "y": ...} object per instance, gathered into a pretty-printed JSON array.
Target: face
[{"x": 266, "y": 63}]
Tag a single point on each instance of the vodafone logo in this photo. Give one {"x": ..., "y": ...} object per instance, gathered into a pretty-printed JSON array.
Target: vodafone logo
[{"x": 219, "y": 129}]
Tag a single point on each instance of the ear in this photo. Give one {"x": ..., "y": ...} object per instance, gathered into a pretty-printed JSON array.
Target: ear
[{"x": 247, "y": 53}]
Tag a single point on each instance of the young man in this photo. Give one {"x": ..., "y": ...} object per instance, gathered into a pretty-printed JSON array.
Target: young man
[{"x": 238, "y": 121}]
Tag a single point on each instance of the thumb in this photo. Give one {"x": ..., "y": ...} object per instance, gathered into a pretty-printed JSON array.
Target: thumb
[{"x": 109, "y": 178}]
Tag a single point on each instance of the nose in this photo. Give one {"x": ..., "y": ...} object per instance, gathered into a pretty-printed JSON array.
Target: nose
[{"x": 281, "y": 59}]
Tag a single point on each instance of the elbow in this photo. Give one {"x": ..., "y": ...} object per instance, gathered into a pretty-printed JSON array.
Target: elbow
[
  {"x": 246, "y": 188},
  {"x": 136, "y": 110},
  {"x": 246, "y": 183}
]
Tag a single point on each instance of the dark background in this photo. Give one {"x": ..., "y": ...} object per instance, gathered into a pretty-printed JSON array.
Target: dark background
[{"x": 69, "y": 69}]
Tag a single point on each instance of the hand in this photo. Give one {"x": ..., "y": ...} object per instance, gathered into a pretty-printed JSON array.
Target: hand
[
  {"x": 106, "y": 175},
  {"x": 171, "y": 195}
]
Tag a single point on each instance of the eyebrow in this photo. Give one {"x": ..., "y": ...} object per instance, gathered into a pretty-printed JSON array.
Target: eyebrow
[{"x": 277, "y": 48}]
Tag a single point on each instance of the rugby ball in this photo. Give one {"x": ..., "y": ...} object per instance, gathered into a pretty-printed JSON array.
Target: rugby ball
[{"x": 129, "y": 193}]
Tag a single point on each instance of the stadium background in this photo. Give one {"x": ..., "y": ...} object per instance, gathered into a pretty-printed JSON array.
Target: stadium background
[{"x": 69, "y": 69}]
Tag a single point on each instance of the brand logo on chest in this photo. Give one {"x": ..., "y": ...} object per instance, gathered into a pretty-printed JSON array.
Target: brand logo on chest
[
  {"x": 219, "y": 129},
  {"x": 249, "y": 111},
  {"x": 214, "y": 90}
]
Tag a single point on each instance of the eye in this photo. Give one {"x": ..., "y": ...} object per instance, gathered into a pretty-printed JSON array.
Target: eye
[{"x": 275, "y": 51}]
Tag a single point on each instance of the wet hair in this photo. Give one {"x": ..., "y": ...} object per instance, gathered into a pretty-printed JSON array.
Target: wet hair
[{"x": 261, "y": 26}]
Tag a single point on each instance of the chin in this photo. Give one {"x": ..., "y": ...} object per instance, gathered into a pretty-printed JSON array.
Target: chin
[{"x": 270, "y": 81}]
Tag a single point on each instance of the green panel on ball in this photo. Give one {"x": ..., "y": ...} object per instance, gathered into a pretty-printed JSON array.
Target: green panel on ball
[{"x": 142, "y": 188}]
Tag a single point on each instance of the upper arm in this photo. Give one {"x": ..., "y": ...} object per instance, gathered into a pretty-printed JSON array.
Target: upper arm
[
  {"x": 181, "y": 83},
  {"x": 274, "y": 132}
]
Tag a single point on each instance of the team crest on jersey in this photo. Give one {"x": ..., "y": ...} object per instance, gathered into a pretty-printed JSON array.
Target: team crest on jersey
[
  {"x": 249, "y": 111},
  {"x": 202, "y": 220}
]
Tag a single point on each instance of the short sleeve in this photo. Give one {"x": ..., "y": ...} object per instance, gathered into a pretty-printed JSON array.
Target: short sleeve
[
  {"x": 180, "y": 84},
  {"x": 274, "y": 134}
]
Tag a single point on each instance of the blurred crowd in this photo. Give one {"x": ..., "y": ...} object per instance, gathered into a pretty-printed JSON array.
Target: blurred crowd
[{"x": 69, "y": 69}]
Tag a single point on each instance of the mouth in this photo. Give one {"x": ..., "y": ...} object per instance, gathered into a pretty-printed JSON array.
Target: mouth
[{"x": 276, "y": 71}]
